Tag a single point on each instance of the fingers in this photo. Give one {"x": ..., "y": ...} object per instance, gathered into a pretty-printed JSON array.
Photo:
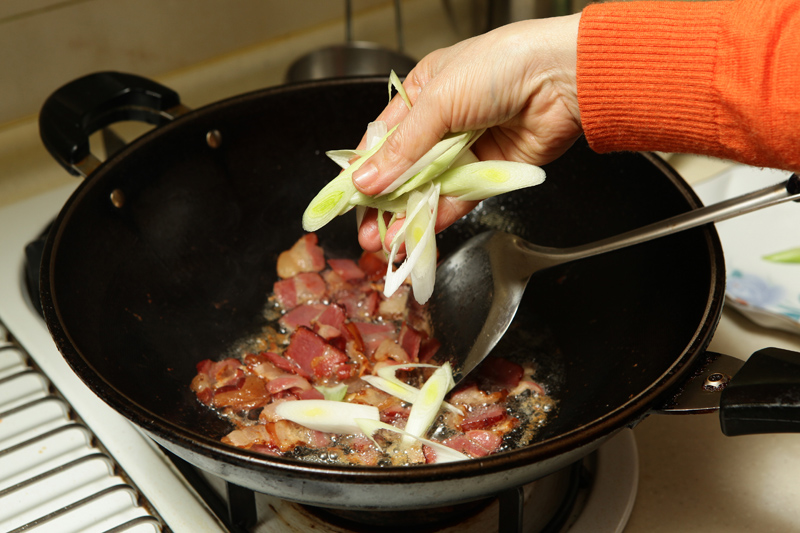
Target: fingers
[{"x": 418, "y": 130}]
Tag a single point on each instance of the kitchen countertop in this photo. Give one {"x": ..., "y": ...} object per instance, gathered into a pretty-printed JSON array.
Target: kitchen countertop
[{"x": 692, "y": 478}]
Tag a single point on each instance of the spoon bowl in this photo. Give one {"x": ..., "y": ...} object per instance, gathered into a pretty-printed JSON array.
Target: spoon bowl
[{"x": 479, "y": 286}]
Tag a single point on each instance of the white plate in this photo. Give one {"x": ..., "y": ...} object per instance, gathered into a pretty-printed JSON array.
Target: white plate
[{"x": 767, "y": 292}]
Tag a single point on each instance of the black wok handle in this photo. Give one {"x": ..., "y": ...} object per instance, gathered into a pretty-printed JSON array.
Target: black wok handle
[
  {"x": 83, "y": 106},
  {"x": 764, "y": 396}
]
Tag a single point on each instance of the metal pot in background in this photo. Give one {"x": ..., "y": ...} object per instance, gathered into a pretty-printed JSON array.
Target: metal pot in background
[{"x": 353, "y": 58}]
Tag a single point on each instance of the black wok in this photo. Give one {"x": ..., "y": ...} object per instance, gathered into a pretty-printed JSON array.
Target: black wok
[{"x": 164, "y": 254}]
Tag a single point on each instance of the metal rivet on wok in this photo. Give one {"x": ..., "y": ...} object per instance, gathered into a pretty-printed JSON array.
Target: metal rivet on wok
[
  {"x": 716, "y": 381},
  {"x": 117, "y": 198},
  {"x": 214, "y": 138}
]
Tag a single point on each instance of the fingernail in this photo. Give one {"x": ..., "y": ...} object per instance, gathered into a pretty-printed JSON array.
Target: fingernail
[{"x": 365, "y": 175}]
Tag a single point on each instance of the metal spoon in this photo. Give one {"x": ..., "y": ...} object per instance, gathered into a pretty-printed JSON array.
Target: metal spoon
[{"x": 479, "y": 287}]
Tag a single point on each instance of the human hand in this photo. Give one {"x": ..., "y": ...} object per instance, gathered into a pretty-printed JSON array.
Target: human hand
[{"x": 519, "y": 81}]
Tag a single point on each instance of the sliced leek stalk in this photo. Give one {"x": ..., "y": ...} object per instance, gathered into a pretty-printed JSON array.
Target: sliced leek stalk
[{"x": 448, "y": 169}]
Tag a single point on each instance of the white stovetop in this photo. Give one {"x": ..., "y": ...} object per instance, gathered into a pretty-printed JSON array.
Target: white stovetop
[{"x": 692, "y": 478}]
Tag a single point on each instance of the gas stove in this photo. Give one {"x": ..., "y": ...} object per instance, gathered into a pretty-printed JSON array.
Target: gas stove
[{"x": 68, "y": 462}]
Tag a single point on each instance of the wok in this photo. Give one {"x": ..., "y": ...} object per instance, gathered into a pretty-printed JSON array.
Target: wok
[{"x": 165, "y": 253}]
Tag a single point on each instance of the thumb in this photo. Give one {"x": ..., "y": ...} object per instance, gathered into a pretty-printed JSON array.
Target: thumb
[{"x": 417, "y": 133}]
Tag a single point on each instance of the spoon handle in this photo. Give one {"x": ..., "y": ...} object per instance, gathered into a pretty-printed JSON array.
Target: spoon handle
[{"x": 746, "y": 203}]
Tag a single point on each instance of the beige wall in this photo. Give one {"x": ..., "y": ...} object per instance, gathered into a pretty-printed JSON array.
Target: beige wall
[{"x": 44, "y": 43}]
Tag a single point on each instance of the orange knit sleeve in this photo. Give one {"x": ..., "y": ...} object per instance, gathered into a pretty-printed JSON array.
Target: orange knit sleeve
[{"x": 719, "y": 78}]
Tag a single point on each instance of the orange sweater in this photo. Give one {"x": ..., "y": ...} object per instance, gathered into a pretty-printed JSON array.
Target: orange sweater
[{"x": 718, "y": 78}]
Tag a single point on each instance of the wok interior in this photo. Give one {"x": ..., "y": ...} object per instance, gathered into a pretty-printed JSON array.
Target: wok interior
[{"x": 181, "y": 272}]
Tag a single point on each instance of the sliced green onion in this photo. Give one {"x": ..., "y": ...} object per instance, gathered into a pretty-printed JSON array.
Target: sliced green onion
[
  {"x": 440, "y": 157},
  {"x": 444, "y": 454},
  {"x": 421, "y": 233},
  {"x": 327, "y": 416},
  {"x": 394, "y": 81},
  {"x": 335, "y": 393},
  {"x": 787, "y": 256},
  {"x": 404, "y": 391},
  {"x": 449, "y": 167},
  {"x": 429, "y": 401},
  {"x": 484, "y": 179},
  {"x": 334, "y": 198},
  {"x": 417, "y": 244},
  {"x": 343, "y": 157}
]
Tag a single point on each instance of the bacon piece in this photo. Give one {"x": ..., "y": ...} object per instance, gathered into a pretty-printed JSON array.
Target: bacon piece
[
  {"x": 333, "y": 316},
  {"x": 410, "y": 340},
  {"x": 316, "y": 358},
  {"x": 303, "y": 288},
  {"x": 483, "y": 417},
  {"x": 488, "y": 440},
  {"x": 359, "y": 304},
  {"x": 427, "y": 349},
  {"x": 396, "y": 305},
  {"x": 476, "y": 443},
  {"x": 286, "y": 435},
  {"x": 373, "y": 265},
  {"x": 395, "y": 411},
  {"x": 347, "y": 269},
  {"x": 302, "y": 315},
  {"x": 310, "y": 394},
  {"x": 286, "y": 382},
  {"x": 524, "y": 385},
  {"x": 222, "y": 373},
  {"x": 251, "y": 394},
  {"x": 201, "y": 385},
  {"x": 500, "y": 372},
  {"x": 249, "y": 436},
  {"x": 388, "y": 349},
  {"x": 372, "y": 335},
  {"x": 283, "y": 363},
  {"x": 470, "y": 394},
  {"x": 304, "y": 256}
]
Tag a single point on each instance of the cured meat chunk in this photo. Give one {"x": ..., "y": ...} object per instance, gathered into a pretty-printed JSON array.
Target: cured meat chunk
[
  {"x": 372, "y": 335},
  {"x": 501, "y": 372},
  {"x": 303, "y": 288},
  {"x": 304, "y": 256},
  {"x": 316, "y": 358},
  {"x": 347, "y": 269},
  {"x": 373, "y": 265},
  {"x": 483, "y": 417}
]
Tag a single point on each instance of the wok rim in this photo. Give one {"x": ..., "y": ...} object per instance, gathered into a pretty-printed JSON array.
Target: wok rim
[{"x": 596, "y": 431}]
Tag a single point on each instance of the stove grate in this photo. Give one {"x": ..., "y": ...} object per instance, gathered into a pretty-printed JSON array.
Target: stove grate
[{"x": 55, "y": 476}]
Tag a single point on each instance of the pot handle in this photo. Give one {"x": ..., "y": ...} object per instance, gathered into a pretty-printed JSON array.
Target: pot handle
[
  {"x": 83, "y": 106},
  {"x": 764, "y": 396},
  {"x": 760, "y": 395}
]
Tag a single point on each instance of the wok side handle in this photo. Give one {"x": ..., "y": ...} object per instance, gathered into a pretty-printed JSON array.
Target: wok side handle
[
  {"x": 764, "y": 396},
  {"x": 85, "y": 105}
]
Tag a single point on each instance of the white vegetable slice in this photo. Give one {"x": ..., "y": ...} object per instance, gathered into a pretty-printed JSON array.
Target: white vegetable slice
[
  {"x": 439, "y": 150},
  {"x": 394, "y": 278},
  {"x": 334, "y": 198},
  {"x": 343, "y": 157},
  {"x": 376, "y": 131},
  {"x": 394, "y": 81},
  {"x": 449, "y": 165},
  {"x": 484, "y": 179},
  {"x": 421, "y": 233},
  {"x": 440, "y": 164},
  {"x": 327, "y": 416},
  {"x": 444, "y": 454},
  {"x": 404, "y": 391},
  {"x": 429, "y": 401}
]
